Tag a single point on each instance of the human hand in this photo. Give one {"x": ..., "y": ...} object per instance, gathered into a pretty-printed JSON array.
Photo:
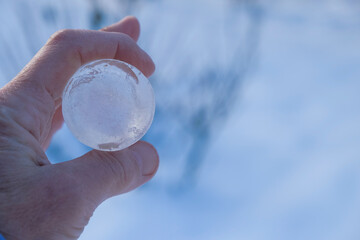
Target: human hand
[{"x": 40, "y": 200}]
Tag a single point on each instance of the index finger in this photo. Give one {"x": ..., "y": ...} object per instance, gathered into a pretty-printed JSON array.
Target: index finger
[
  {"x": 37, "y": 90},
  {"x": 67, "y": 50}
]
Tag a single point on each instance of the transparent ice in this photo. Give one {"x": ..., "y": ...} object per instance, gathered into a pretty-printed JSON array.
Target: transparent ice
[{"x": 108, "y": 104}]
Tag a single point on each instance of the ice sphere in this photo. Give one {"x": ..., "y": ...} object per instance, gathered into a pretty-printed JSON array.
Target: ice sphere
[{"x": 108, "y": 104}]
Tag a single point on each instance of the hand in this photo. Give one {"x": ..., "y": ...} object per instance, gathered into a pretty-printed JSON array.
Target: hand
[{"x": 40, "y": 200}]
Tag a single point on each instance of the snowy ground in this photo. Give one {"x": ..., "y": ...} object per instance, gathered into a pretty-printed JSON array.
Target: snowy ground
[{"x": 287, "y": 163}]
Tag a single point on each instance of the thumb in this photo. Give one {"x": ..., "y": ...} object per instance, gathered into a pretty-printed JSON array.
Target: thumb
[{"x": 100, "y": 175}]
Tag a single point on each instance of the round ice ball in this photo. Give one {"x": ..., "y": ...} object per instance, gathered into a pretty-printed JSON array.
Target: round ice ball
[{"x": 108, "y": 104}]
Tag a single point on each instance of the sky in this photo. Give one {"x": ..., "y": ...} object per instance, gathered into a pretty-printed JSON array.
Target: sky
[{"x": 285, "y": 164}]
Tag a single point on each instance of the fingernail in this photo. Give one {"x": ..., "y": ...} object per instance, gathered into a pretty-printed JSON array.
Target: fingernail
[{"x": 148, "y": 157}]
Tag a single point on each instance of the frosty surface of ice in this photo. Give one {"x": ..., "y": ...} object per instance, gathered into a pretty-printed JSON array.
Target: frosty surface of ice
[{"x": 108, "y": 104}]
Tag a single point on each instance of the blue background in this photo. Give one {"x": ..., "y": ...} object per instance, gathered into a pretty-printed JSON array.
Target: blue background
[{"x": 257, "y": 121}]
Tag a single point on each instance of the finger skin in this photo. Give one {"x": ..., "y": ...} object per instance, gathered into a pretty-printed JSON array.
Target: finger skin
[
  {"x": 107, "y": 174},
  {"x": 68, "y": 49},
  {"x": 39, "y": 200},
  {"x": 39, "y": 86},
  {"x": 56, "y": 124},
  {"x": 57, "y": 201},
  {"x": 129, "y": 25}
]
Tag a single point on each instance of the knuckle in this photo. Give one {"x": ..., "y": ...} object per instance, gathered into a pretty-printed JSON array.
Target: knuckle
[
  {"x": 127, "y": 37},
  {"x": 124, "y": 168},
  {"x": 63, "y": 36},
  {"x": 125, "y": 40}
]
